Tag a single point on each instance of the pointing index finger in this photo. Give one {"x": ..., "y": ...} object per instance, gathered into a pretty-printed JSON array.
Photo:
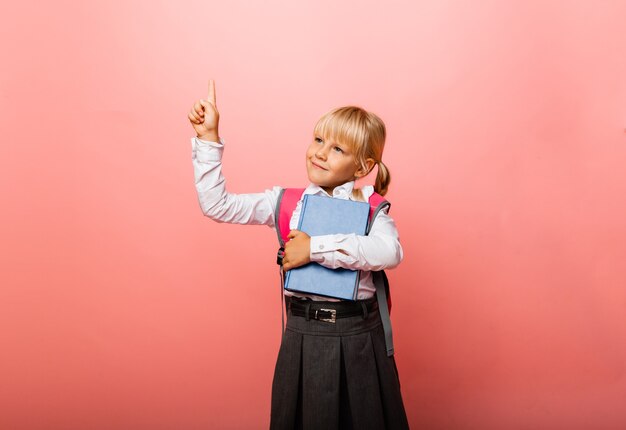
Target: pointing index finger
[{"x": 211, "y": 97}]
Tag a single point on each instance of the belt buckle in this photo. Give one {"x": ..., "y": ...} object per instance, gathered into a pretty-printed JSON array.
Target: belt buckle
[{"x": 333, "y": 315}]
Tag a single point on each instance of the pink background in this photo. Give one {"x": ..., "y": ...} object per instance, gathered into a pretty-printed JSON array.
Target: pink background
[{"x": 122, "y": 307}]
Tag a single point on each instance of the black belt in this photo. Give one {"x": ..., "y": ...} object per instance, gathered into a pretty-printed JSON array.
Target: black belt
[{"x": 330, "y": 311}]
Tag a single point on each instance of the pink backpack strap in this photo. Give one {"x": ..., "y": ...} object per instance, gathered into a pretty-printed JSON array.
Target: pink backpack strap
[
  {"x": 377, "y": 203},
  {"x": 285, "y": 205}
]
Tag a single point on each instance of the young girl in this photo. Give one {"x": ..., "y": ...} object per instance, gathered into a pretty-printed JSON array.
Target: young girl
[{"x": 329, "y": 374}]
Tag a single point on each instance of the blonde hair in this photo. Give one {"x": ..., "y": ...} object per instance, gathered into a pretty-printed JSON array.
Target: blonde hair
[{"x": 364, "y": 133}]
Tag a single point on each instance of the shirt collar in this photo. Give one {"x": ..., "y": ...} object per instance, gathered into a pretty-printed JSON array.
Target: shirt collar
[{"x": 343, "y": 191}]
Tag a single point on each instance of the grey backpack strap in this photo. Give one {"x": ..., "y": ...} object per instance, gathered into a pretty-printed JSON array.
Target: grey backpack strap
[
  {"x": 277, "y": 215},
  {"x": 381, "y": 283},
  {"x": 380, "y": 280},
  {"x": 279, "y": 261}
]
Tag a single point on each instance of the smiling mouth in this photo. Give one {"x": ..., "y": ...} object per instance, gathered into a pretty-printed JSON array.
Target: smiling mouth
[{"x": 318, "y": 166}]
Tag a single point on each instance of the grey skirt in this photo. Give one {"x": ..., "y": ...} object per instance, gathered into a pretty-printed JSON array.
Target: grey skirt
[{"x": 335, "y": 375}]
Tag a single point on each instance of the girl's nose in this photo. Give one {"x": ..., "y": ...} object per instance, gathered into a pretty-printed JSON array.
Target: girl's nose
[{"x": 321, "y": 153}]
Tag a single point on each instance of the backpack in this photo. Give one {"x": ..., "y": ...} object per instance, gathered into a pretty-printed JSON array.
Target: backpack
[{"x": 286, "y": 204}]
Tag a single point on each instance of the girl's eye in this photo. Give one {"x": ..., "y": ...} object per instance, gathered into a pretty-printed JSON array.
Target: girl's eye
[{"x": 319, "y": 140}]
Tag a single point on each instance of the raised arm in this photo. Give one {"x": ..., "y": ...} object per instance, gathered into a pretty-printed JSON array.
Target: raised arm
[{"x": 207, "y": 149}]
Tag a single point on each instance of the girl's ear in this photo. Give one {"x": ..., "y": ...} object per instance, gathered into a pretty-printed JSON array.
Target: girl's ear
[{"x": 370, "y": 165}]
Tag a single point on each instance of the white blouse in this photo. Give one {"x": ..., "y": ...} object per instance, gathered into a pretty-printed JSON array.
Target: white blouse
[{"x": 379, "y": 250}]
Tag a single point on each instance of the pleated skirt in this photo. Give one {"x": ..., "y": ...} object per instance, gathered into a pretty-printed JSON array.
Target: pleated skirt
[{"x": 335, "y": 376}]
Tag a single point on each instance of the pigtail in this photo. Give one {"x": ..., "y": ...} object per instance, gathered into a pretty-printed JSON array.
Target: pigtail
[{"x": 383, "y": 178}]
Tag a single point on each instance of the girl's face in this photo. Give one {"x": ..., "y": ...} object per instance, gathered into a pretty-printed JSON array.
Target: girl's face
[{"x": 330, "y": 164}]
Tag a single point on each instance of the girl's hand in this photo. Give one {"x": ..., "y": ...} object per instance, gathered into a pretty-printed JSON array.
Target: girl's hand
[
  {"x": 297, "y": 250},
  {"x": 204, "y": 116}
]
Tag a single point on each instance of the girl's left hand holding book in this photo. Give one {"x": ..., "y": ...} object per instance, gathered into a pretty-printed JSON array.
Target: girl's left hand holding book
[{"x": 297, "y": 250}]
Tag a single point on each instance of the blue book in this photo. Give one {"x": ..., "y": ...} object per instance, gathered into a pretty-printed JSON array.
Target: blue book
[{"x": 322, "y": 215}]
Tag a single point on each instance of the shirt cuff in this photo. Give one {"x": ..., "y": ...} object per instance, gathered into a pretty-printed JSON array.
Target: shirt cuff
[
  {"x": 206, "y": 151},
  {"x": 199, "y": 143},
  {"x": 322, "y": 244}
]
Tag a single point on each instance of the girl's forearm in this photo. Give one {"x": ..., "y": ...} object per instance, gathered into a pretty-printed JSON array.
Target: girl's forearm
[{"x": 356, "y": 252}]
